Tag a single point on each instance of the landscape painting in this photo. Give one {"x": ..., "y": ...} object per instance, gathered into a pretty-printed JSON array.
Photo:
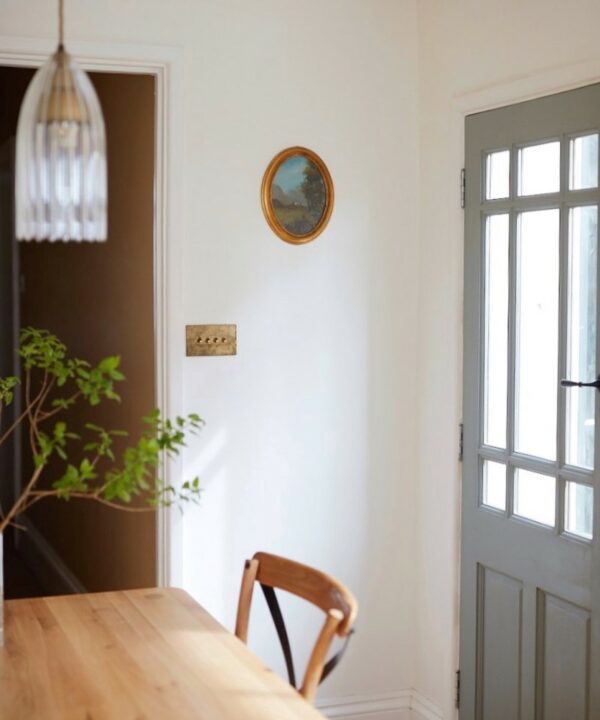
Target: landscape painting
[{"x": 298, "y": 195}]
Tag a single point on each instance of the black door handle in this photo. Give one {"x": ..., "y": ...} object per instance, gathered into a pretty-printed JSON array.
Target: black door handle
[{"x": 574, "y": 383}]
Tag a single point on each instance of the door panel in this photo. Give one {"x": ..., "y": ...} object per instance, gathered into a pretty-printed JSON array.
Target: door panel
[
  {"x": 530, "y": 599},
  {"x": 499, "y": 606},
  {"x": 563, "y": 675}
]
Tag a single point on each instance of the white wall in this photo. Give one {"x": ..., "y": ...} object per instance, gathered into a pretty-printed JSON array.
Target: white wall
[
  {"x": 473, "y": 55},
  {"x": 309, "y": 449},
  {"x": 310, "y": 443}
]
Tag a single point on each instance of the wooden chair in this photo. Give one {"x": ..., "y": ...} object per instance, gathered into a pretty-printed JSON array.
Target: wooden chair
[{"x": 318, "y": 588}]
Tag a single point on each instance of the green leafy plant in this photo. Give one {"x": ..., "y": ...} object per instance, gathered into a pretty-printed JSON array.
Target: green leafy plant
[{"x": 52, "y": 383}]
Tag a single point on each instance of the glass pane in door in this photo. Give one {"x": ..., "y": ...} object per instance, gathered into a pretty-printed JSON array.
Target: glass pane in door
[
  {"x": 535, "y": 496},
  {"x": 539, "y": 169},
  {"x": 497, "y": 174},
  {"x": 537, "y": 333},
  {"x": 581, "y": 340},
  {"x": 579, "y": 509},
  {"x": 583, "y": 166},
  {"x": 494, "y": 485},
  {"x": 496, "y": 330}
]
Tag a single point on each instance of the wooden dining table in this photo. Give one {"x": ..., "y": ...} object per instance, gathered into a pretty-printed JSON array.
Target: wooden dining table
[{"x": 133, "y": 655}]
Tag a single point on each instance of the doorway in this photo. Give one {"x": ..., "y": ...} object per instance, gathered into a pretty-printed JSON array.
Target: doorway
[
  {"x": 99, "y": 299},
  {"x": 530, "y": 563}
]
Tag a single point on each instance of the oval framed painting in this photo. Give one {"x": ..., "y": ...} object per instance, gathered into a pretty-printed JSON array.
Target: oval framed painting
[{"x": 297, "y": 195}]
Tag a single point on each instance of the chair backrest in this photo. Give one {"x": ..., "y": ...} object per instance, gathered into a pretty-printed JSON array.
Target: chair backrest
[{"x": 340, "y": 606}]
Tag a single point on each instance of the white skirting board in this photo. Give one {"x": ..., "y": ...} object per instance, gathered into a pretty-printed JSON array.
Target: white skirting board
[{"x": 402, "y": 705}]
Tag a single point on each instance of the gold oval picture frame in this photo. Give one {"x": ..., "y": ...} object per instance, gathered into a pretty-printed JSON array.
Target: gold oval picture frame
[{"x": 297, "y": 195}]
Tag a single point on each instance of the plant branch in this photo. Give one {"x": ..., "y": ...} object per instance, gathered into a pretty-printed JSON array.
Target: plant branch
[
  {"x": 50, "y": 413},
  {"x": 17, "y": 526},
  {"x": 41, "y": 494},
  {"x": 15, "y": 424},
  {"x": 19, "y": 420},
  {"x": 39, "y": 414},
  {"x": 29, "y": 411},
  {"x": 18, "y": 507}
]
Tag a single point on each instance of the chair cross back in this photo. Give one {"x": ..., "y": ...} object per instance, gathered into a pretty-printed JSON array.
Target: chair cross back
[{"x": 338, "y": 603}]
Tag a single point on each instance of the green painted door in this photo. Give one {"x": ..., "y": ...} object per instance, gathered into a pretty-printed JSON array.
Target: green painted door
[{"x": 530, "y": 562}]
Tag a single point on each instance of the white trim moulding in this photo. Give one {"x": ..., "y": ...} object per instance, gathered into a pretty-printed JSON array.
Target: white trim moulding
[{"x": 402, "y": 705}]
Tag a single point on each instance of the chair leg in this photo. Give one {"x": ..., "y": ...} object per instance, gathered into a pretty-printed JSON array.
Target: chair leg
[
  {"x": 314, "y": 669},
  {"x": 245, "y": 601}
]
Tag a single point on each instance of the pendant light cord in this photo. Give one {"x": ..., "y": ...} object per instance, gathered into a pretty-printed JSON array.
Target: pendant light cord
[{"x": 61, "y": 24}]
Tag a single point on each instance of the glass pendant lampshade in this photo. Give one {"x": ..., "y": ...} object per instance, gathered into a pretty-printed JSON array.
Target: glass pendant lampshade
[{"x": 61, "y": 156}]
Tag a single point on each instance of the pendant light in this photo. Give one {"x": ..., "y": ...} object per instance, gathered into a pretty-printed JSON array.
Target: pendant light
[{"x": 61, "y": 154}]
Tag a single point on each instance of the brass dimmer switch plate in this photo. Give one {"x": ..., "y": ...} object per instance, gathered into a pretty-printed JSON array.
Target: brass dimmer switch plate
[{"x": 210, "y": 340}]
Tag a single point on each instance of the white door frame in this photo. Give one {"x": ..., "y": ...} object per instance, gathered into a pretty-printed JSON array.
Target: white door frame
[{"x": 164, "y": 63}]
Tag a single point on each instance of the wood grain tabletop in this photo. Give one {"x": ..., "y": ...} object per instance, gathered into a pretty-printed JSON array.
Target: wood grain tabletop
[{"x": 133, "y": 655}]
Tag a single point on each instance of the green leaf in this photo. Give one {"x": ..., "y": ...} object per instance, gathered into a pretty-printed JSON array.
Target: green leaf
[
  {"x": 62, "y": 403},
  {"x": 109, "y": 363},
  {"x": 91, "y": 426},
  {"x": 7, "y": 385},
  {"x": 122, "y": 494}
]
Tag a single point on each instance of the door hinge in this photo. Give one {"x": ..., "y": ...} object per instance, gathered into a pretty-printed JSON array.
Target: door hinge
[
  {"x": 457, "y": 696},
  {"x": 463, "y": 187},
  {"x": 461, "y": 441}
]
